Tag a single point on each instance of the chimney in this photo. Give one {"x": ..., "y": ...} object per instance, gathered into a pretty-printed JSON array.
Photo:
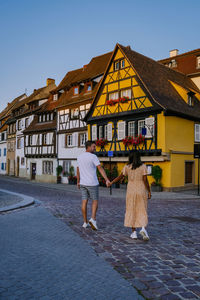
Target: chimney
[
  {"x": 173, "y": 53},
  {"x": 50, "y": 81},
  {"x": 128, "y": 47},
  {"x": 84, "y": 67}
]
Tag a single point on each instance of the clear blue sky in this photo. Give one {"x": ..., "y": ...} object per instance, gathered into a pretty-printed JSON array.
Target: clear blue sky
[{"x": 48, "y": 38}]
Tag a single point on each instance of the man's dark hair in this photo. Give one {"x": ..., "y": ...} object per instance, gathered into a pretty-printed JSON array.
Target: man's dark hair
[
  {"x": 134, "y": 159},
  {"x": 88, "y": 144}
]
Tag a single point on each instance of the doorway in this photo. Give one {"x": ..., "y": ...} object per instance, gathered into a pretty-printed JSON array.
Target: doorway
[
  {"x": 189, "y": 172},
  {"x": 33, "y": 171}
]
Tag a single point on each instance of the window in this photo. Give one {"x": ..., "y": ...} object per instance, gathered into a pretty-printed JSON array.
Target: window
[
  {"x": 19, "y": 143},
  {"x": 198, "y": 62},
  {"x": 116, "y": 66},
  {"x": 26, "y": 122},
  {"x": 114, "y": 96},
  {"x": 69, "y": 140},
  {"x": 105, "y": 132},
  {"x": 2, "y": 166},
  {"x": 40, "y": 118},
  {"x": 19, "y": 125},
  {"x": 126, "y": 93},
  {"x": 197, "y": 133},
  {"x": 173, "y": 63},
  {"x": 30, "y": 140},
  {"x": 100, "y": 132},
  {"x": 88, "y": 87},
  {"x": 4, "y": 151},
  {"x": 3, "y": 136},
  {"x": 141, "y": 124},
  {"x": 76, "y": 90},
  {"x": 94, "y": 132},
  {"x": 83, "y": 138},
  {"x": 51, "y": 116},
  {"x": 66, "y": 166},
  {"x": 47, "y": 117},
  {"x": 47, "y": 167},
  {"x": 131, "y": 128},
  {"x": 44, "y": 139},
  {"x": 149, "y": 125},
  {"x": 0, "y": 152},
  {"x": 122, "y": 63},
  {"x": 119, "y": 64},
  {"x": 74, "y": 113},
  {"x": 55, "y": 97},
  {"x": 121, "y": 130}
]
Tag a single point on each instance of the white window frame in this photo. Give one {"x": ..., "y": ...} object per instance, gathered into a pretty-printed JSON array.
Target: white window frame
[
  {"x": 100, "y": 132},
  {"x": 55, "y": 97},
  {"x": 106, "y": 132},
  {"x": 47, "y": 167},
  {"x": 141, "y": 124},
  {"x": 83, "y": 139},
  {"x": 122, "y": 63},
  {"x": 121, "y": 131},
  {"x": 126, "y": 93},
  {"x": 70, "y": 140},
  {"x": 115, "y": 65},
  {"x": 197, "y": 133},
  {"x": 131, "y": 128},
  {"x": 113, "y": 96}
]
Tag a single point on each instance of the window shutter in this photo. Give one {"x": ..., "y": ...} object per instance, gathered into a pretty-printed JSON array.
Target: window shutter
[
  {"x": 121, "y": 130},
  {"x": 197, "y": 132},
  {"x": 149, "y": 124},
  {"x": 109, "y": 128},
  {"x": 94, "y": 132},
  {"x": 65, "y": 141}
]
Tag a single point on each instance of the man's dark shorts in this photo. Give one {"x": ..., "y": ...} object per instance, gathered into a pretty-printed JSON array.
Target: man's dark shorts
[{"x": 91, "y": 192}]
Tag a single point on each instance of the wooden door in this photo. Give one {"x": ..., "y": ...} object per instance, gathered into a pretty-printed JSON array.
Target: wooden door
[{"x": 189, "y": 172}]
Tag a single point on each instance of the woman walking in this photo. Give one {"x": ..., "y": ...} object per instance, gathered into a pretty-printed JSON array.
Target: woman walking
[{"x": 138, "y": 191}]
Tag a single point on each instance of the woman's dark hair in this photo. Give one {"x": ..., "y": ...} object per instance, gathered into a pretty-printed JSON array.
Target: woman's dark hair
[{"x": 134, "y": 159}]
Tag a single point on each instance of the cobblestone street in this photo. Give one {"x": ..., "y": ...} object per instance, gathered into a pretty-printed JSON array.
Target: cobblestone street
[{"x": 166, "y": 267}]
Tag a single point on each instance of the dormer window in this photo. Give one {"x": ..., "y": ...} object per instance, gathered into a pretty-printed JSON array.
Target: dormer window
[
  {"x": 88, "y": 87},
  {"x": 198, "y": 62},
  {"x": 76, "y": 90},
  {"x": 190, "y": 98}
]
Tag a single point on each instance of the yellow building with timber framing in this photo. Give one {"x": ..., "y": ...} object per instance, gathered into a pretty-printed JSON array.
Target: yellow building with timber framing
[{"x": 142, "y": 104}]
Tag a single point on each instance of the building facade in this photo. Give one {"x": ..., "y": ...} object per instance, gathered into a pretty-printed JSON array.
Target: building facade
[{"x": 144, "y": 105}]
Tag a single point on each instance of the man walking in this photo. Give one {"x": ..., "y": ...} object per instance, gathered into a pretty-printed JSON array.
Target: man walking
[{"x": 87, "y": 181}]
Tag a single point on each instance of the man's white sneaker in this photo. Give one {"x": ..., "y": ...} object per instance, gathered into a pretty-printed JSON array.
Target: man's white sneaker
[
  {"x": 134, "y": 235},
  {"x": 93, "y": 224},
  {"x": 144, "y": 234},
  {"x": 85, "y": 225}
]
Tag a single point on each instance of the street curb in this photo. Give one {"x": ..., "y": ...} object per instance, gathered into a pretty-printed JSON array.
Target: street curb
[{"x": 25, "y": 202}]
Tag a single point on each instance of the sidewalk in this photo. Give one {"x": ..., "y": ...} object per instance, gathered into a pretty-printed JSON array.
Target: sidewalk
[
  {"x": 10, "y": 201},
  {"x": 42, "y": 258}
]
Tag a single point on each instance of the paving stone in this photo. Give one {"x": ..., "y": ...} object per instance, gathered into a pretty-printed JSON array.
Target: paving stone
[{"x": 168, "y": 260}]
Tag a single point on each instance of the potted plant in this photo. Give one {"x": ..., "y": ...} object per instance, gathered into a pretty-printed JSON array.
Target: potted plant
[
  {"x": 71, "y": 177},
  {"x": 58, "y": 172},
  {"x": 157, "y": 174}
]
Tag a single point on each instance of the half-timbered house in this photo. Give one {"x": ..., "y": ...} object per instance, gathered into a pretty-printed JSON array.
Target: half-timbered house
[
  {"x": 22, "y": 115},
  {"x": 4, "y": 116},
  {"x": 11, "y": 138},
  {"x": 75, "y": 94},
  {"x": 142, "y": 104}
]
